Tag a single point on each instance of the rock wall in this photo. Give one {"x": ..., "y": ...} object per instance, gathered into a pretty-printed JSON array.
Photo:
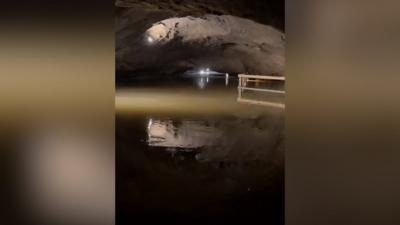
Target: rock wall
[{"x": 151, "y": 39}]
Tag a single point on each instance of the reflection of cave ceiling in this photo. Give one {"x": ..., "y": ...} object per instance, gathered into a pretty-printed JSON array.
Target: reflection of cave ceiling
[{"x": 185, "y": 35}]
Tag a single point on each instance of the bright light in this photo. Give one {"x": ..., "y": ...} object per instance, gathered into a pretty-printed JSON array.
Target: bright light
[
  {"x": 204, "y": 71},
  {"x": 150, "y": 39}
]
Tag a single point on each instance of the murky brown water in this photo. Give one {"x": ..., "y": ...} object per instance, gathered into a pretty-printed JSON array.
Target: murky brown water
[{"x": 191, "y": 154}]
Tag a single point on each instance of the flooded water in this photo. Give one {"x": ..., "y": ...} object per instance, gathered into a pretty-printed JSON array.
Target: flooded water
[{"x": 188, "y": 153}]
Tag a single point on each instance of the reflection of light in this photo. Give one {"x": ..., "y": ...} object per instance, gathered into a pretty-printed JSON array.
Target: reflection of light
[
  {"x": 201, "y": 83},
  {"x": 149, "y": 123},
  {"x": 150, "y": 39},
  {"x": 226, "y": 79},
  {"x": 207, "y": 80},
  {"x": 202, "y": 72},
  {"x": 208, "y": 70}
]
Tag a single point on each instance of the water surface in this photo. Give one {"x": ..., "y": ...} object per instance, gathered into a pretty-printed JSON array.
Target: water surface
[{"x": 188, "y": 152}]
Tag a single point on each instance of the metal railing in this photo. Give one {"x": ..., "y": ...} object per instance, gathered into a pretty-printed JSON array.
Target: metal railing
[{"x": 245, "y": 79}]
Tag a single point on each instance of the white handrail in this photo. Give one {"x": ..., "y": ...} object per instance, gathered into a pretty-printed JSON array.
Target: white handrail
[
  {"x": 244, "y": 79},
  {"x": 262, "y": 77}
]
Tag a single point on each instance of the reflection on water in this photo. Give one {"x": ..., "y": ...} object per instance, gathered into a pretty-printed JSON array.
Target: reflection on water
[
  {"x": 219, "y": 138},
  {"x": 187, "y": 154},
  {"x": 185, "y": 134},
  {"x": 201, "y": 82}
]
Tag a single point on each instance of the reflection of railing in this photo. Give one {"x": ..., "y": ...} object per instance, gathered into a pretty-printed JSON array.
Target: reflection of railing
[{"x": 245, "y": 79}]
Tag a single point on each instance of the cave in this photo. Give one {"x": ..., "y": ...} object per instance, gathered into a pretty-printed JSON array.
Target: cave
[
  {"x": 174, "y": 36},
  {"x": 200, "y": 111}
]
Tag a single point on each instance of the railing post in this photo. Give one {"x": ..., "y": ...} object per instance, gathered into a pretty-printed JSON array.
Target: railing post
[{"x": 240, "y": 86}]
